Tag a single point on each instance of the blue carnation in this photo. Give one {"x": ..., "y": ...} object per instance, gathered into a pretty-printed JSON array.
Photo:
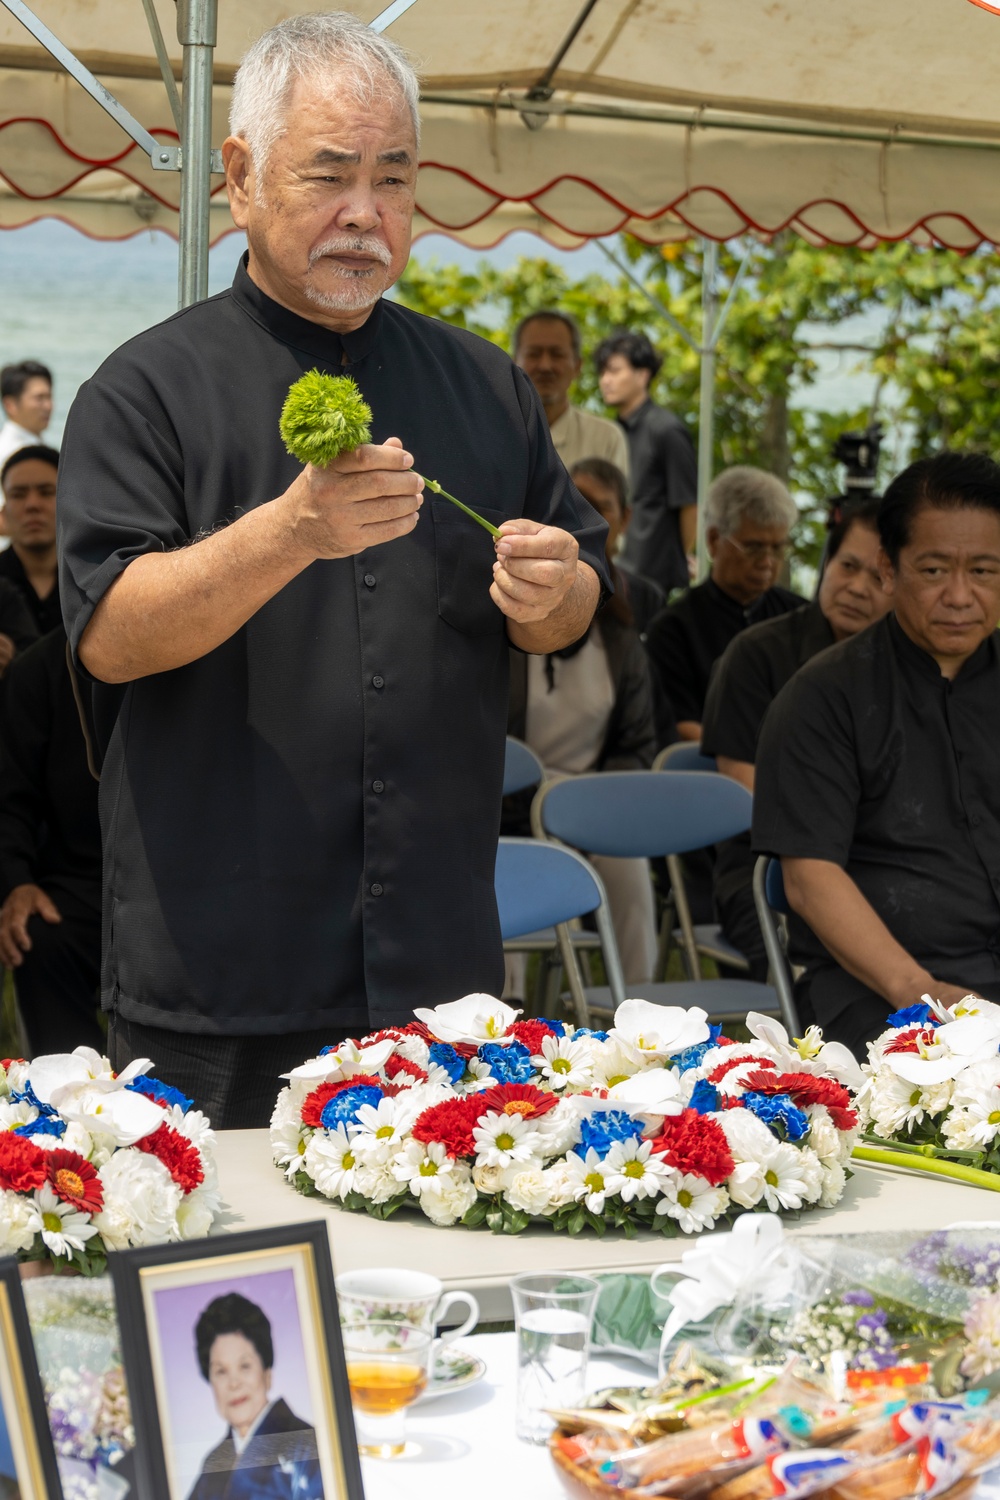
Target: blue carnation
[
  {"x": 343, "y": 1108},
  {"x": 46, "y": 1125},
  {"x": 598, "y": 1036},
  {"x": 446, "y": 1057},
  {"x": 691, "y": 1057},
  {"x": 160, "y": 1093},
  {"x": 27, "y": 1095},
  {"x": 704, "y": 1098},
  {"x": 557, "y": 1028},
  {"x": 600, "y": 1131},
  {"x": 778, "y": 1110},
  {"x": 911, "y": 1015},
  {"x": 510, "y": 1064}
]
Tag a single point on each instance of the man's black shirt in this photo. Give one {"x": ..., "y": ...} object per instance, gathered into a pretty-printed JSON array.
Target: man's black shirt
[
  {"x": 300, "y": 827},
  {"x": 45, "y": 612},
  {"x": 664, "y": 479},
  {"x": 688, "y": 637},
  {"x": 870, "y": 759}
]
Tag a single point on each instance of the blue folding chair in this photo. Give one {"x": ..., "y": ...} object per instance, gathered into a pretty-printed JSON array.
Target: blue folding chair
[
  {"x": 541, "y": 885},
  {"x": 521, "y": 767},
  {"x": 641, "y": 814},
  {"x": 704, "y": 938},
  {"x": 772, "y": 907}
]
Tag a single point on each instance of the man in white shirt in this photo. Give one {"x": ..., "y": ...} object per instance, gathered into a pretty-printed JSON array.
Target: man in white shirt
[
  {"x": 547, "y": 349},
  {"x": 26, "y": 394}
]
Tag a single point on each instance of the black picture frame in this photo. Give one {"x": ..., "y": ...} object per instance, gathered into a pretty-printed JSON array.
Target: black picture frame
[
  {"x": 139, "y": 1274},
  {"x": 22, "y": 1402}
]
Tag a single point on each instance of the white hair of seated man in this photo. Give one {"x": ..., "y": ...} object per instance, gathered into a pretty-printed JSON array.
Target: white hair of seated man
[
  {"x": 744, "y": 493},
  {"x": 311, "y": 46}
]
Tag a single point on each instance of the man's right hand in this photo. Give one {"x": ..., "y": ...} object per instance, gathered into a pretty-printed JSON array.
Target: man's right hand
[
  {"x": 362, "y": 499},
  {"x": 23, "y": 902}
]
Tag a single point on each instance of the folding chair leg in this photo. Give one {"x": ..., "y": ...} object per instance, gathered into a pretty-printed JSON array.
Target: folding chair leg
[
  {"x": 572, "y": 971},
  {"x": 688, "y": 943}
]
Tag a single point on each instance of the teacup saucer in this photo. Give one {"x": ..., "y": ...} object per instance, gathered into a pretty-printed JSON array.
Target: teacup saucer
[{"x": 454, "y": 1369}]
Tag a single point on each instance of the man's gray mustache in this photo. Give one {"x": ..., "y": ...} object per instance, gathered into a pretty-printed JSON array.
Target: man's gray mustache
[{"x": 374, "y": 248}]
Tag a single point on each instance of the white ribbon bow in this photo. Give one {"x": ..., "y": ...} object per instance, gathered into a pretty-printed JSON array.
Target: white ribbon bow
[{"x": 716, "y": 1268}]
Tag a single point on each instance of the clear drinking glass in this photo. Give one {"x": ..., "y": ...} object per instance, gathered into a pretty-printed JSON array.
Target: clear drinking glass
[
  {"x": 553, "y": 1316},
  {"x": 388, "y": 1367}
]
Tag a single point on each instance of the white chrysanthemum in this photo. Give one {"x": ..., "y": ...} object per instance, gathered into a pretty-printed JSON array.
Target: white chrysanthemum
[
  {"x": 445, "y": 1199},
  {"x": 611, "y": 1064},
  {"x": 530, "y": 1191},
  {"x": 17, "y": 1075},
  {"x": 288, "y": 1135},
  {"x": 418, "y": 1163},
  {"x": 559, "y": 1128},
  {"x": 492, "y": 1179},
  {"x": 975, "y": 1114},
  {"x": 141, "y": 1200},
  {"x": 788, "y": 1179},
  {"x": 376, "y": 1181},
  {"x": 895, "y": 1103},
  {"x": 18, "y": 1223},
  {"x": 502, "y": 1140},
  {"x": 811, "y": 1172},
  {"x": 567, "y": 1064},
  {"x": 692, "y": 1201},
  {"x": 479, "y": 1076},
  {"x": 982, "y": 1329},
  {"x": 414, "y": 1049},
  {"x": 12, "y": 1115},
  {"x": 588, "y": 1177},
  {"x": 380, "y": 1129},
  {"x": 834, "y": 1183},
  {"x": 637, "y": 1173},
  {"x": 63, "y": 1227},
  {"x": 194, "y": 1126},
  {"x": 331, "y": 1161}
]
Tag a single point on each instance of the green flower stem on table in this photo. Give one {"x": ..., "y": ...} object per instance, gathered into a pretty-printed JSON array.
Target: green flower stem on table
[{"x": 919, "y": 1163}]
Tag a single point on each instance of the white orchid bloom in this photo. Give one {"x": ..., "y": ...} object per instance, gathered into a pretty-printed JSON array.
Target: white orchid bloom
[
  {"x": 972, "y": 1005},
  {"x": 121, "y": 1114},
  {"x": 343, "y": 1062},
  {"x": 649, "y": 1095},
  {"x": 808, "y": 1053},
  {"x": 57, "y": 1069},
  {"x": 645, "y": 1031},
  {"x": 474, "y": 1019},
  {"x": 971, "y": 1035},
  {"x": 933, "y": 1062}
]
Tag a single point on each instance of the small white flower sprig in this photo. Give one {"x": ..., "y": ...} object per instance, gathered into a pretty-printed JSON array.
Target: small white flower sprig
[
  {"x": 92, "y": 1161},
  {"x": 931, "y": 1095},
  {"x": 476, "y": 1117}
]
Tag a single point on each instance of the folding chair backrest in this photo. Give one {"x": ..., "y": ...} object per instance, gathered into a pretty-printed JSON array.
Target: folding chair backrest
[
  {"x": 774, "y": 888},
  {"x": 642, "y": 814},
  {"x": 684, "y": 756},
  {"x": 521, "y": 767},
  {"x": 539, "y": 885}
]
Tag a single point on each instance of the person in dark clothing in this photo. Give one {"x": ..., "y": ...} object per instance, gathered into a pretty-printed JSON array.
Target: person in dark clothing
[
  {"x": 748, "y": 515},
  {"x": 603, "y": 485},
  {"x": 50, "y": 853},
  {"x": 301, "y": 793},
  {"x": 749, "y": 674},
  {"x": 28, "y": 481},
  {"x": 876, "y": 775},
  {"x": 662, "y": 464}
]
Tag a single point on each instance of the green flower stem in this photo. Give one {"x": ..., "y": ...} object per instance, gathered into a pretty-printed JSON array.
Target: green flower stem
[
  {"x": 432, "y": 484},
  {"x": 972, "y": 1175}
]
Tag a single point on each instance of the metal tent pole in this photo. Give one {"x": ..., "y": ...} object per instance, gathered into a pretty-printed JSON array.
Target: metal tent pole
[
  {"x": 196, "y": 32},
  {"x": 706, "y": 402}
]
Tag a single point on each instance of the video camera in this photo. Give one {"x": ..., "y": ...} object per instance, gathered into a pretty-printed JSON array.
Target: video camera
[{"x": 858, "y": 452}]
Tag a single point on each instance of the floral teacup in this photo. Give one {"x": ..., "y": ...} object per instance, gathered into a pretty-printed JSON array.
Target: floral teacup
[{"x": 404, "y": 1296}]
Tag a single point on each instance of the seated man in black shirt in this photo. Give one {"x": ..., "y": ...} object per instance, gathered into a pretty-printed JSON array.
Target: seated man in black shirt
[
  {"x": 748, "y": 516},
  {"x": 876, "y": 774},
  {"x": 753, "y": 669},
  {"x": 28, "y": 481},
  {"x": 50, "y": 854}
]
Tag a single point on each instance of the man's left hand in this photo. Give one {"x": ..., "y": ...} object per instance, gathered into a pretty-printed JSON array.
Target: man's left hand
[{"x": 535, "y": 569}]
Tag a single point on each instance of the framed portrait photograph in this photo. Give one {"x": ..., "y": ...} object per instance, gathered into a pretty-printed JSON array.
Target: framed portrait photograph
[
  {"x": 27, "y": 1458},
  {"x": 234, "y": 1359}
]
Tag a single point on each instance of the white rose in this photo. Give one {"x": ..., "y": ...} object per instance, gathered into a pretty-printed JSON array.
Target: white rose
[
  {"x": 561, "y": 1185},
  {"x": 528, "y": 1190},
  {"x": 448, "y": 1199},
  {"x": 17, "y": 1223},
  {"x": 746, "y": 1184},
  {"x": 141, "y": 1201},
  {"x": 560, "y": 1127},
  {"x": 491, "y": 1180},
  {"x": 197, "y": 1213},
  {"x": 834, "y": 1182}
]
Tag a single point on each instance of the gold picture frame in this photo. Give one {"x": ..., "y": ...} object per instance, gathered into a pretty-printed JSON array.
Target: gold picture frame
[{"x": 26, "y": 1449}]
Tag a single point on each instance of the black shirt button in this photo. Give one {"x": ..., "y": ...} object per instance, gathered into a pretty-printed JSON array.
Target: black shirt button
[
  {"x": 376, "y": 889},
  {"x": 378, "y": 786},
  {"x": 370, "y": 580},
  {"x": 975, "y": 820},
  {"x": 378, "y": 681}
]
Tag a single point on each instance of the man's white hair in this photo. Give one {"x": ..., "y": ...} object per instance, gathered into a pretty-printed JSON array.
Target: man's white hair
[
  {"x": 315, "y": 46},
  {"x": 744, "y": 493}
]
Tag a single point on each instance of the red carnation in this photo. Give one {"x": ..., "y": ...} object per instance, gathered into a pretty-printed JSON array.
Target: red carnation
[
  {"x": 397, "y": 1065},
  {"x": 313, "y": 1104},
  {"x": 75, "y": 1180},
  {"x": 177, "y": 1154},
  {"x": 693, "y": 1143},
  {"x": 450, "y": 1123},
  {"x": 718, "y": 1073},
  {"x": 22, "y": 1163},
  {"x": 8, "y": 1062},
  {"x": 516, "y": 1099},
  {"x": 531, "y": 1033}
]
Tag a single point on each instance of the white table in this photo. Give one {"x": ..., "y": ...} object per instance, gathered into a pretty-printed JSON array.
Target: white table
[
  {"x": 257, "y": 1196},
  {"x": 468, "y": 1450}
]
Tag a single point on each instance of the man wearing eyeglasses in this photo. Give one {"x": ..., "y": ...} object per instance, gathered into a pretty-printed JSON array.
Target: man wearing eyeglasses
[{"x": 748, "y": 515}]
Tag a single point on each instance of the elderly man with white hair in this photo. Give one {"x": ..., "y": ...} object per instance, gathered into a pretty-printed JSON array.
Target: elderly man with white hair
[
  {"x": 301, "y": 675},
  {"x": 748, "y": 516}
]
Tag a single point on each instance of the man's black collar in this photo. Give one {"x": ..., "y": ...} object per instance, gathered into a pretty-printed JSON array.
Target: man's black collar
[
  {"x": 299, "y": 333},
  {"x": 982, "y": 658}
]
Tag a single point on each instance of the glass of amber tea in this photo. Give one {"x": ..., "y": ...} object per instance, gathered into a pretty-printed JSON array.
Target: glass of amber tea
[{"x": 388, "y": 1367}]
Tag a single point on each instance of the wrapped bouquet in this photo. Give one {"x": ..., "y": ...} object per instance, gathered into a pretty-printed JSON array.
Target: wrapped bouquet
[
  {"x": 475, "y": 1117},
  {"x": 91, "y": 1161},
  {"x": 931, "y": 1095}
]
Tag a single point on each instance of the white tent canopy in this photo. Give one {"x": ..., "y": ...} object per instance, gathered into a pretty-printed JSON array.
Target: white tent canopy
[{"x": 851, "y": 122}]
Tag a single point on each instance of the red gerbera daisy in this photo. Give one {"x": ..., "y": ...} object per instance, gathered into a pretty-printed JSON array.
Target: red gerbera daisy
[
  {"x": 177, "y": 1154},
  {"x": 22, "y": 1163},
  {"x": 75, "y": 1181},
  {"x": 693, "y": 1143},
  {"x": 910, "y": 1039},
  {"x": 417, "y": 1028},
  {"x": 313, "y": 1104},
  {"x": 718, "y": 1073},
  {"x": 451, "y": 1123},
  {"x": 806, "y": 1089},
  {"x": 397, "y": 1065},
  {"x": 516, "y": 1099}
]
